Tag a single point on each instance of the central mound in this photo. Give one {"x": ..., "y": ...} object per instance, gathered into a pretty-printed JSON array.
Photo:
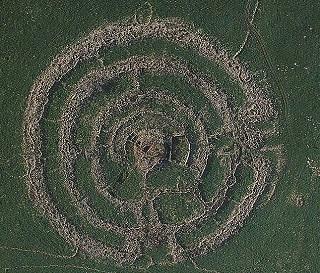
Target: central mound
[{"x": 149, "y": 150}]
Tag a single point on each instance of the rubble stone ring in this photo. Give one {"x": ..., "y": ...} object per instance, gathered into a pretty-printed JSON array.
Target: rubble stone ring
[{"x": 241, "y": 126}]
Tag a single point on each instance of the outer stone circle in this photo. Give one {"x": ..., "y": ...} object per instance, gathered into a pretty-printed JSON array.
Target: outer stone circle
[{"x": 106, "y": 37}]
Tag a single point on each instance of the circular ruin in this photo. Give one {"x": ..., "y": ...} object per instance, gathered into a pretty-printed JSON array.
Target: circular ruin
[{"x": 149, "y": 130}]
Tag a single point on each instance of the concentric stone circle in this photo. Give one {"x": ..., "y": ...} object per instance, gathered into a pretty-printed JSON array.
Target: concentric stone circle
[{"x": 152, "y": 141}]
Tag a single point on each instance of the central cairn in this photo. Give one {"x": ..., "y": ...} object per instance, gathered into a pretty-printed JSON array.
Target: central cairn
[
  {"x": 161, "y": 151},
  {"x": 149, "y": 150}
]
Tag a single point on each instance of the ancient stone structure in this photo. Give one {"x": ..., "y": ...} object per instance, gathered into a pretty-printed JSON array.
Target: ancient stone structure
[{"x": 134, "y": 127}]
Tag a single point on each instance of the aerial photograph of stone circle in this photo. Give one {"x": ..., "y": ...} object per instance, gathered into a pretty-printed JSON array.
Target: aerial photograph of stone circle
[{"x": 161, "y": 136}]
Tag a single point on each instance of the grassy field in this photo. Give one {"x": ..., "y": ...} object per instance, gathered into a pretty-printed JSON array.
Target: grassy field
[{"x": 280, "y": 236}]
